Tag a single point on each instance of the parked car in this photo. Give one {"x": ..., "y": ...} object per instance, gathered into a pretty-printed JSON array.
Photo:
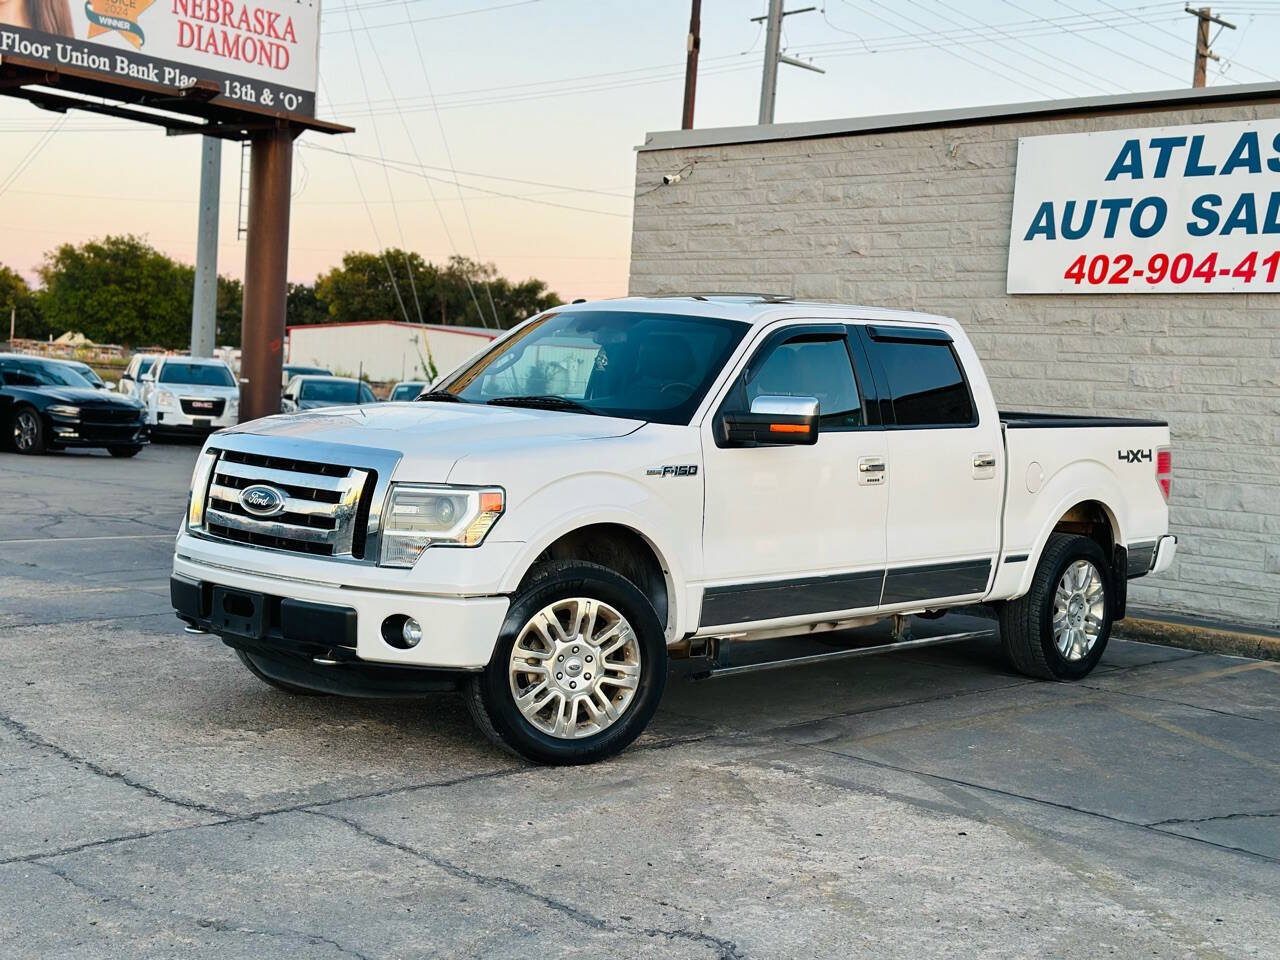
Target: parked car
[
  {"x": 291, "y": 370},
  {"x": 407, "y": 390},
  {"x": 47, "y": 405},
  {"x": 611, "y": 485},
  {"x": 190, "y": 395},
  {"x": 312, "y": 392},
  {"x": 140, "y": 364}
]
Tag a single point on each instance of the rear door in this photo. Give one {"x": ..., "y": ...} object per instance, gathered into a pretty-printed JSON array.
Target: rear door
[{"x": 944, "y": 468}]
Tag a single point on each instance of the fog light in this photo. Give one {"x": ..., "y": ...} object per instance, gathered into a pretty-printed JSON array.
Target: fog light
[{"x": 412, "y": 632}]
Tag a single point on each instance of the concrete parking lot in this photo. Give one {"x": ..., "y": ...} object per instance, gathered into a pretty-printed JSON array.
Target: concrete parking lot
[{"x": 158, "y": 801}]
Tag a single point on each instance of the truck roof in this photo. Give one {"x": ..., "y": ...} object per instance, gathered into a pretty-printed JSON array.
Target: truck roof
[{"x": 758, "y": 308}]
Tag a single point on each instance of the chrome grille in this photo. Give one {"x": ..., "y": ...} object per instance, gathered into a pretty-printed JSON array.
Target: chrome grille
[{"x": 323, "y": 506}]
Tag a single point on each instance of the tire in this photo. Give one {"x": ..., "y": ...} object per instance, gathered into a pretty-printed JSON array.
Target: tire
[
  {"x": 1027, "y": 625},
  {"x": 27, "y": 432},
  {"x": 632, "y": 681},
  {"x": 132, "y": 451},
  {"x": 273, "y": 682}
]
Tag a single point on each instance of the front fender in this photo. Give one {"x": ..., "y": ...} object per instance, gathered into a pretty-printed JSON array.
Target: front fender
[{"x": 588, "y": 499}]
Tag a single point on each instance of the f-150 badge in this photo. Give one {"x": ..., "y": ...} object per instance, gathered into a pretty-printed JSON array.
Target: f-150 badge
[{"x": 684, "y": 470}]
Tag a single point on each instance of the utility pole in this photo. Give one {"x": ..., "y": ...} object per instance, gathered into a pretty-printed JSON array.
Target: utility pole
[
  {"x": 773, "y": 56},
  {"x": 1204, "y": 47},
  {"x": 693, "y": 44},
  {"x": 204, "y": 302}
]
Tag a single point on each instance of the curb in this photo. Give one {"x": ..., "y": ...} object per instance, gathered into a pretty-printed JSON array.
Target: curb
[{"x": 1205, "y": 639}]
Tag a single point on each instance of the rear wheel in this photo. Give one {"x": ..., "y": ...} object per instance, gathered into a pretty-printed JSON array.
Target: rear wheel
[
  {"x": 28, "y": 432},
  {"x": 1060, "y": 629},
  {"x": 132, "y": 451},
  {"x": 578, "y": 669}
]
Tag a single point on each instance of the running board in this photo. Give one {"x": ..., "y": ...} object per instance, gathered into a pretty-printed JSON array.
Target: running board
[{"x": 719, "y": 668}]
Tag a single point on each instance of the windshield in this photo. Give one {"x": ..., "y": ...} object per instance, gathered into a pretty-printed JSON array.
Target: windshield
[
  {"x": 406, "y": 391},
  {"x": 200, "y": 374},
  {"x": 145, "y": 364},
  {"x": 33, "y": 373},
  {"x": 648, "y": 366},
  {"x": 332, "y": 391},
  {"x": 294, "y": 371}
]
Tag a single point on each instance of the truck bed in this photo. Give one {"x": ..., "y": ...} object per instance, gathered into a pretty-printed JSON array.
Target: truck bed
[{"x": 1015, "y": 420}]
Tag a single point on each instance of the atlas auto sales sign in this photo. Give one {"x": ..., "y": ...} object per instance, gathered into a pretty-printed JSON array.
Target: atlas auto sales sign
[
  {"x": 260, "y": 52},
  {"x": 1192, "y": 209}
]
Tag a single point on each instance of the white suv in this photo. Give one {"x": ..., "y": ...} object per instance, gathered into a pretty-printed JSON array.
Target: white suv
[{"x": 190, "y": 395}]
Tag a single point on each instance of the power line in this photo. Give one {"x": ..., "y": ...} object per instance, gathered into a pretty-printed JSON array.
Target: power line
[
  {"x": 386, "y": 261},
  {"x": 440, "y": 16},
  {"x": 410, "y": 170},
  {"x": 448, "y": 152},
  {"x": 31, "y": 154}
]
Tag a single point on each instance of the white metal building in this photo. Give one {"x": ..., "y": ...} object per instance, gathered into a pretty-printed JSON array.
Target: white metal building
[
  {"x": 385, "y": 350},
  {"x": 1115, "y": 255}
]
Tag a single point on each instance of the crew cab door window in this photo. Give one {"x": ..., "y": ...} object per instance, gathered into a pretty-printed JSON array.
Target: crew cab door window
[
  {"x": 923, "y": 379},
  {"x": 815, "y": 365}
]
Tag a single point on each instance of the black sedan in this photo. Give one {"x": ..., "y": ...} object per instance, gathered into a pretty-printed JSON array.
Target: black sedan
[{"x": 47, "y": 405}]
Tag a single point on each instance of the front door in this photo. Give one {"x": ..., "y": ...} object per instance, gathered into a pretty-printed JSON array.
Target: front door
[{"x": 794, "y": 532}]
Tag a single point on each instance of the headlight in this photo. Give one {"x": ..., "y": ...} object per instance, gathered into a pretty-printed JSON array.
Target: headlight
[
  {"x": 200, "y": 488},
  {"x": 418, "y": 517},
  {"x": 64, "y": 410},
  {"x": 165, "y": 399}
]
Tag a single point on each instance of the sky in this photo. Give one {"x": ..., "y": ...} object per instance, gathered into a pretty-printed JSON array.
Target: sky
[{"x": 512, "y": 124}]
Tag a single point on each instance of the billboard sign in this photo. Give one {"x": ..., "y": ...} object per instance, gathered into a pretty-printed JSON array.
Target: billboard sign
[
  {"x": 1190, "y": 209},
  {"x": 260, "y": 52}
]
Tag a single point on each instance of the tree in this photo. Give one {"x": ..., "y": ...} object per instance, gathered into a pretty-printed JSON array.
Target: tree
[
  {"x": 16, "y": 295},
  {"x": 363, "y": 288},
  {"x": 303, "y": 306},
  {"x": 456, "y": 294},
  {"x": 230, "y": 310},
  {"x": 119, "y": 289}
]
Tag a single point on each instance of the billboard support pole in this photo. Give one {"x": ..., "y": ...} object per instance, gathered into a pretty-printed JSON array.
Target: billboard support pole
[
  {"x": 204, "y": 302},
  {"x": 266, "y": 272}
]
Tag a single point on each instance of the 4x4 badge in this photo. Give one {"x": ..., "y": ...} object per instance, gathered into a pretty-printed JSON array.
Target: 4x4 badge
[{"x": 1133, "y": 456}]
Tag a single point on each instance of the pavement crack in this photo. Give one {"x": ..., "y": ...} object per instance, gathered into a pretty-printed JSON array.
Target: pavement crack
[
  {"x": 1175, "y": 821},
  {"x": 725, "y": 949},
  {"x": 219, "y": 924},
  {"x": 27, "y": 735},
  {"x": 1179, "y": 703}
]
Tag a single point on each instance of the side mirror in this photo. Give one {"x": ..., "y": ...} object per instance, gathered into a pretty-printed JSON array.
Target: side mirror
[
  {"x": 110, "y": 385},
  {"x": 126, "y": 375},
  {"x": 774, "y": 421}
]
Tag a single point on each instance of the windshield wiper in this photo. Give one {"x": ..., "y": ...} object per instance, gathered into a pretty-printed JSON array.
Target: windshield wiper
[
  {"x": 442, "y": 396},
  {"x": 546, "y": 401}
]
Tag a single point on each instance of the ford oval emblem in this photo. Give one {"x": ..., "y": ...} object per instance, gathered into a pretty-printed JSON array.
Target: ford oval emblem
[{"x": 262, "y": 500}]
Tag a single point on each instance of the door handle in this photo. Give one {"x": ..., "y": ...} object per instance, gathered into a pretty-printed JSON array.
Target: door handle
[
  {"x": 984, "y": 461},
  {"x": 871, "y": 471},
  {"x": 871, "y": 466}
]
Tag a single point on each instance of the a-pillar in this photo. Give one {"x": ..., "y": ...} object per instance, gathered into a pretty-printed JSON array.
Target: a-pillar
[{"x": 265, "y": 273}]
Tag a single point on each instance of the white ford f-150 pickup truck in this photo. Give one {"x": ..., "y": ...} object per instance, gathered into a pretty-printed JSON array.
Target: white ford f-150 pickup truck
[{"x": 614, "y": 484}]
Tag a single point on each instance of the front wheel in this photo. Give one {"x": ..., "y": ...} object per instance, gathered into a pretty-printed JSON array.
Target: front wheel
[
  {"x": 1059, "y": 630},
  {"x": 578, "y": 669},
  {"x": 28, "y": 432}
]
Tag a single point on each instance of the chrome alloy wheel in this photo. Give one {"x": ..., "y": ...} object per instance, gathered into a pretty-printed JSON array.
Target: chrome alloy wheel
[
  {"x": 25, "y": 430},
  {"x": 1078, "y": 609},
  {"x": 574, "y": 668}
]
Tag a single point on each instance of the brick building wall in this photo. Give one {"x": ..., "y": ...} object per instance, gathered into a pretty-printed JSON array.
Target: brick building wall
[{"x": 919, "y": 219}]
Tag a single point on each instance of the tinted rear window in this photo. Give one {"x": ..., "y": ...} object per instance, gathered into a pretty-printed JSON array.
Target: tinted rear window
[{"x": 926, "y": 383}]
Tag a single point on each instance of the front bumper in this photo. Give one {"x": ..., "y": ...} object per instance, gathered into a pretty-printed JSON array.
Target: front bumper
[
  {"x": 77, "y": 432},
  {"x": 330, "y": 622},
  {"x": 174, "y": 421}
]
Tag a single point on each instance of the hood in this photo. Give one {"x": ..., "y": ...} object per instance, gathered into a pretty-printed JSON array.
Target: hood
[
  {"x": 434, "y": 436},
  {"x": 85, "y": 397}
]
